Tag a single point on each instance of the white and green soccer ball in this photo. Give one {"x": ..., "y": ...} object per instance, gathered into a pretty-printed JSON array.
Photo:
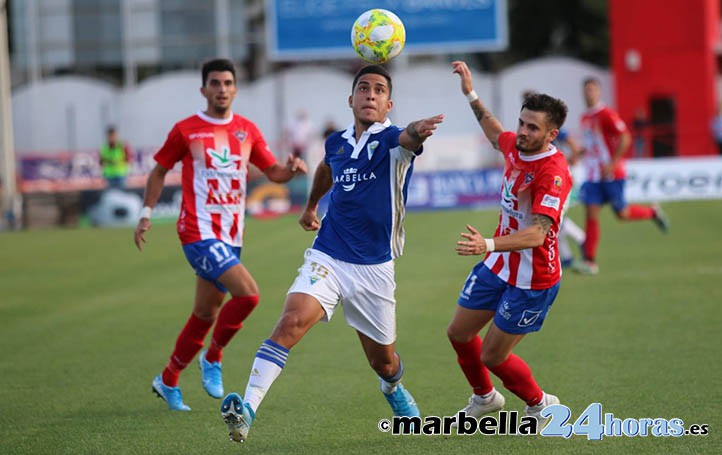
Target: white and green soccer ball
[{"x": 378, "y": 35}]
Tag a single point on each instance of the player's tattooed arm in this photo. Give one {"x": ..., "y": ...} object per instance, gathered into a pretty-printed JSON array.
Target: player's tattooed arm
[
  {"x": 543, "y": 222},
  {"x": 491, "y": 126},
  {"x": 418, "y": 131}
]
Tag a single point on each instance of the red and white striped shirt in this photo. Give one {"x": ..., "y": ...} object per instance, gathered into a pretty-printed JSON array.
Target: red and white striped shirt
[
  {"x": 601, "y": 127},
  {"x": 538, "y": 184},
  {"x": 215, "y": 154}
]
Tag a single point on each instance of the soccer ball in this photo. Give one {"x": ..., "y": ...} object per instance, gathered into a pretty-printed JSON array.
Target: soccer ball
[{"x": 378, "y": 35}]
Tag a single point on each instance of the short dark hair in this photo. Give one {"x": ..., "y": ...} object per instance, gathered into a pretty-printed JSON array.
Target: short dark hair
[
  {"x": 219, "y": 64},
  {"x": 555, "y": 109},
  {"x": 110, "y": 129},
  {"x": 592, "y": 80},
  {"x": 372, "y": 69}
]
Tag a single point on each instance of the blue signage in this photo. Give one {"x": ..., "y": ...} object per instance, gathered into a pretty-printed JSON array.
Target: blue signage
[{"x": 321, "y": 29}]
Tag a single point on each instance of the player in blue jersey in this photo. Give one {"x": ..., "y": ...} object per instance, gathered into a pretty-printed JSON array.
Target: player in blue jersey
[{"x": 367, "y": 169}]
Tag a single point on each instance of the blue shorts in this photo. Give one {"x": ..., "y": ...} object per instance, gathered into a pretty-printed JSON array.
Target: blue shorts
[
  {"x": 210, "y": 258},
  {"x": 517, "y": 310},
  {"x": 599, "y": 193}
]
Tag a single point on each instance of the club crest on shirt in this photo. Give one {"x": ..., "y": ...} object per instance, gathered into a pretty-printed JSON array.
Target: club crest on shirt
[
  {"x": 240, "y": 135},
  {"x": 528, "y": 177},
  {"x": 340, "y": 151},
  {"x": 371, "y": 148}
]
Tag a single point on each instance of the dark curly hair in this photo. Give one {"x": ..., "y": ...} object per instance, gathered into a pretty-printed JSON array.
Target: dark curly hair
[{"x": 555, "y": 109}]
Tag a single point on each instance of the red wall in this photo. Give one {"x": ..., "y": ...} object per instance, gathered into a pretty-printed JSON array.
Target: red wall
[{"x": 676, "y": 40}]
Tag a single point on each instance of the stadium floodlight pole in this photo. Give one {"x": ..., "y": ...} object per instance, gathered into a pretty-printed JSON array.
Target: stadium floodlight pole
[{"x": 10, "y": 199}]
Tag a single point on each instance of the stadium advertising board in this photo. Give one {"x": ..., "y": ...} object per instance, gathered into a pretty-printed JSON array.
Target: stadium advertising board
[
  {"x": 454, "y": 189},
  {"x": 670, "y": 179},
  {"x": 321, "y": 29}
]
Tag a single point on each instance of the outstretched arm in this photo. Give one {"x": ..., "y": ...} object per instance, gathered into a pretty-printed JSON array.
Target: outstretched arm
[
  {"x": 529, "y": 237},
  {"x": 322, "y": 182},
  {"x": 491, "y": 126},
  {"x": 281, "y": 174},
  {"x": 416, "y": 132},
  {"x": 153, "y": 188}
]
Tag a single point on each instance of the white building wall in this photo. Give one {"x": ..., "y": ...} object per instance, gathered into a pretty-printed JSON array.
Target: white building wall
[{"x": 71, "y": 113}]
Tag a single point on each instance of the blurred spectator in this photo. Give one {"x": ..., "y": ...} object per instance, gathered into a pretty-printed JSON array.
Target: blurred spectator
[
  {"x": 329, "y": 128},
  {"x": 299, "y": 133},
  {"x": 114, "y": 160},
  {"x": 639, "y": 125},
  {"x": 717, "y": 129}
]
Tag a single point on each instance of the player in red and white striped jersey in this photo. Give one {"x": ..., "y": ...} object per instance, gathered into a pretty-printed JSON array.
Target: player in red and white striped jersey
[
  {"x": 214, "y": 147},
  {"x": 606, "y": 141},
  {"x": 513, "y": 288}
]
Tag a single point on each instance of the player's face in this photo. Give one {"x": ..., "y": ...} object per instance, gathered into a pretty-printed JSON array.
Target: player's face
[
  {"x": 370, "y": 100},
  {"x": 592, "y": 93},
  {"x": 534, "y": 134},
  {"x": 219, "y": 91}
]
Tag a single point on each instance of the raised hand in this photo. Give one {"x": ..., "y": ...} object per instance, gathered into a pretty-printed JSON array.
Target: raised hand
[{"x": 463, "y": 71}]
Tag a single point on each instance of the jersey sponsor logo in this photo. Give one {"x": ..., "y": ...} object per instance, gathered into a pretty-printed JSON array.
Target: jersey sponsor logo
[
  {"x": 216, "y": 196},
  {"x": 509, "y": 200},
  {"x": 552, "y": 250},
  {"x": 351, "y": 177},
  {"x": 550, "y": 201},
  {"x": 200, "y": 135},
  {"x": 371, "y": 148},
  {"x": 528, "y": 318},
  {"x": 223, "y": 159}
]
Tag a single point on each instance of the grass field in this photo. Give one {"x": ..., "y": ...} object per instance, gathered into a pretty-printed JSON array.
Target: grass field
[{"x": 86, "y": 322}]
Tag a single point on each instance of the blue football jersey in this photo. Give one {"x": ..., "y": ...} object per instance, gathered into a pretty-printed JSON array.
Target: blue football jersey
[{"x": 367, "y": 202}]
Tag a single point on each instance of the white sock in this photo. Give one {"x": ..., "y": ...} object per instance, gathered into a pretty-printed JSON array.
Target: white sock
[
  {"x": 388, "y": 386},
  {"x": 267, "y": 366}
]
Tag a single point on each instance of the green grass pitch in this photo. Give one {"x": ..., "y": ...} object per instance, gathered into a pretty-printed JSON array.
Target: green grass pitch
[{"x": 86, "y": 322}]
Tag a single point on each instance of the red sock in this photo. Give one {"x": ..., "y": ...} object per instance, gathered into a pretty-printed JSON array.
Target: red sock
[
  {"x": 469, "y": 358},
  {"x": 230, "y": 321},
  {"x": 592, "y": 239},
  {"x": 516, "y": 376},
  {"x": 189, "y": 342},
  {"x": 639, "y": 212}
]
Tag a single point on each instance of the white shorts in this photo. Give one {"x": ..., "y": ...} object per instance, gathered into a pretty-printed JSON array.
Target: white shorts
[{"x": 365, "y": 291}]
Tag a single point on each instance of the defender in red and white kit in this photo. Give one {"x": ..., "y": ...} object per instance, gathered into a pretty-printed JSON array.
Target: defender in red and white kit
[
  {"x": 513, "y": 288},
  {"x": 606, "y": 141},
  {"x": 214, "y": 147}
]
